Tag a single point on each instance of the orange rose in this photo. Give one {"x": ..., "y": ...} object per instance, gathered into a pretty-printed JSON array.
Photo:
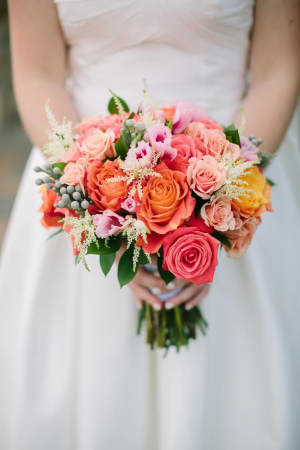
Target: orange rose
[
  {"x": 169, "y": 112},
  {"x": 106, "y": 194},
  {"x": 50, "y": 217},
  {"x": 167, "y": 201},
  {"x": 259, "y": 199}
]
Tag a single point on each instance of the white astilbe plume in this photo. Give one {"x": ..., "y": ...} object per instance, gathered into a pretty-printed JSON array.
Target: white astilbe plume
[
  {"x": 84, "y": 233},
  {"x": 148, "y": 106},
  {"x": 134, "y": 229},
  {"x": 60, "y": 137},
  {"x": 234, "y": 186}
]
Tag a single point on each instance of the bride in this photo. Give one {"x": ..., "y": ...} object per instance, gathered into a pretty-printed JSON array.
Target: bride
[{"x": 73, "y": 373}]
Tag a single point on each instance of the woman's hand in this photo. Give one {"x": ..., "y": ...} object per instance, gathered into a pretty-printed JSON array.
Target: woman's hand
[{"x": 145, "y": 285}]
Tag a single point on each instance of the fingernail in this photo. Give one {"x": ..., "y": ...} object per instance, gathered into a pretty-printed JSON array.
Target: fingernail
[
  {"x": 169, "y": 305},
  {"x": 156, "y": 291},
  {"x": 156, "y": 274},
  {"x": 188, "y": 307},
  {"x": 171, "y": 286},
  {"x": 138, "y": 306},
  {"x": 156, "y": 307}
]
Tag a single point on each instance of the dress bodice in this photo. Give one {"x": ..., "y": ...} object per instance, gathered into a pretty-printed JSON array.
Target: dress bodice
[{"x": 191, "y": 50}]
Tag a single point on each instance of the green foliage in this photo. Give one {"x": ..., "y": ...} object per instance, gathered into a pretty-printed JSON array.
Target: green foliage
[
  {"x": 271, "y": 182},
  {"x": 60, "y": 165},
  {"x": 106, "y": 262},
  {"x": 125, "y": 267},
  {"x": 232, "y": 134},
  {"x": 169, "y": 123},
  {"x": 121, "y": 147},
  {"x": 55, "y": 233},
  {"x": 113, "y": 108},
  {"x": 100, "y": 248},
  {"x": 265, "y": 159},
  {"x": 220, "y": 237},
  {"x": 165, "y": 274}
]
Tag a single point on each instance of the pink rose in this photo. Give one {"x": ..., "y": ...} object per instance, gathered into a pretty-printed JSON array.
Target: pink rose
[
  {"x": 185, "y": 148},
  {"x": 108, "y": 223},
  {"x": 74, "y": 172},
  {"x": 87, "y": 123},
  {"x": 241, "y": 238},
  {"x": 205, "y": 176},
  {"x": 113, "y": 122},
  {"x": 96, "y": 144},
  {"x": 248, "y": 150},
  {"x": 186, "y": 113},
  {"x": 218, "y": 214},
  {"x": 191, "y": 255}
]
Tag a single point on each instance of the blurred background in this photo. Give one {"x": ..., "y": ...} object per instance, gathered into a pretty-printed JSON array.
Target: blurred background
[{"x": 14, "y": 144}]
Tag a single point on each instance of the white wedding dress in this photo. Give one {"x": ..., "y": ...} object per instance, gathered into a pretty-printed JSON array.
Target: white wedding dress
[{"x": 73, "y": 374}]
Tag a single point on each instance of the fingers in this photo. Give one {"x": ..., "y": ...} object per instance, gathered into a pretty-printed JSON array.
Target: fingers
[
  {"x": 146, "y": 279},
  {"x": 191, "y": 293},
  {"x": 189, "y": 305},
  {"x": 143, "y": 294}
]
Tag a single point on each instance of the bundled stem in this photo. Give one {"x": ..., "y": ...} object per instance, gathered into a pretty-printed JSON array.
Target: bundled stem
[{"x": 170, "y": 328}]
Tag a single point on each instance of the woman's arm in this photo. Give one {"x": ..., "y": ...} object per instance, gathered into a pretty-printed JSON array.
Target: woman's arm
[
  {"x": 39, "y": 65},
  {"x": 275, "y": 71}
]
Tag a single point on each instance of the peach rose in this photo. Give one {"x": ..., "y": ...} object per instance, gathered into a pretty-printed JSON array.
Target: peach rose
[
  {"x": 212, "y": 141},
  {"x": 74, "y": 172},
  {"x": 106, "y": 194},
  {"x": 205, "y": 176},
  {"x": 72, "y": 154},
  {"x": 241, "y": 238},
  {"x": 96, "y": 144},
  {"x": 167, "y": 201},
  {"x": 195, "y": 129},
  {"x": 88, "y": 123},
  {"x": 258, "y": 200},
  {"x": 191, "y": 255},
  {"x": 218, "y": 214}
]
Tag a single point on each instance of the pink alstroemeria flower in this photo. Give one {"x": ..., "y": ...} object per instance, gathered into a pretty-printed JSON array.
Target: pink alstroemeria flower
[
  {"x": 108, "y": 223},
  {"x": 248, "y": 150},
  {"x": 140, "y": 156},
  {"x": 186, "y": 113},
  {"x": 160, "y": 137},
  {"x": 129, "y": 204}
]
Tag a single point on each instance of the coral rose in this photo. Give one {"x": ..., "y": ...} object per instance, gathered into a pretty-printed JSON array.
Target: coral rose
[
  {"x": 167, "y": 200},
  {"x": 191, "y": 255},
  {"x": 218, "y": 214},
  {"x": 205, "y": 176},
  {"x": 106, "y": 194},
  {"x": 51, "y": 217},
  {"x": 258, "y": 200},
  {"x": 88, "y": 123},
  {"x": 241, "y": 239}
]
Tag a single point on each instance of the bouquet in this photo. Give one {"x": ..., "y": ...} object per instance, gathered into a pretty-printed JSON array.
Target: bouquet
[{"x": 163, "y": 182}]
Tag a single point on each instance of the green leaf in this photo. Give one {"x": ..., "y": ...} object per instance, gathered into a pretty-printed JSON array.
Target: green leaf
[
  {"x": 265, "y": 159},
  {"x": 271, "y": 182},
  {"x": 125, "y": 268},
  {"x": 121, "y": 147},
  {"x": 112, "y": 107},
  {"x": 232, "y": 134},
  {"x": 165, "y": 274},
  {"x": 131, "y": 116},
  {"x": 169, "y": 123},
  {"x": 113, "y": 246},
  {"x": 55, "y": 234},
  {"x": 60, "y": 165},
  {"x": 106, "y": 262},
  {"x": 126, "y": 135},
  {"x": 223, "y": 239},
  {"x": 143, "y": 258}
]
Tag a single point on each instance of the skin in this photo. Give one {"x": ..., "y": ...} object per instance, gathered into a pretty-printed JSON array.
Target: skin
[{"x": 39, "y": 61}]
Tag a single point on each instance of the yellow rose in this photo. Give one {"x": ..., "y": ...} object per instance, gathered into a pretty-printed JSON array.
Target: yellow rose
[{"x": 258, "y": 200}]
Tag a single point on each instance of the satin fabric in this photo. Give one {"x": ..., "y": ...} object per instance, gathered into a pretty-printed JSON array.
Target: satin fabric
[{"x": 73, "y": 373}]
